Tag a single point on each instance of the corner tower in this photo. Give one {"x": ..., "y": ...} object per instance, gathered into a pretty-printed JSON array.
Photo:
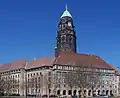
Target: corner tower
[{"x": 66, "y": 36}]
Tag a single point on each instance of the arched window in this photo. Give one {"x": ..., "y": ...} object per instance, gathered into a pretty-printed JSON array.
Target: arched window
[
  {"x": 74, "y": 92},
  {"x": 79, "y": 92},
  {"x": 49, "y": 90},
  {"x": 70, "y": 38},
  {"x": 58, "y": 92},
  {"x": 64, "y": 92},
  {"x": 107, "y": 92},
  {"x": 89, "y": 93},
  {"x": 70, "y": 92},
  {"x": 98, "y": 92},
  {"x": 103, "y": 92},
  {"x": 111, "y": 93},
  {"x": 85, "y": 93},
  {"x": 62, "y": 38}
]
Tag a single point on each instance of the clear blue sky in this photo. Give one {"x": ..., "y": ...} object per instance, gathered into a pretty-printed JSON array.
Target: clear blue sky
[{"x": 28, "y": 28}]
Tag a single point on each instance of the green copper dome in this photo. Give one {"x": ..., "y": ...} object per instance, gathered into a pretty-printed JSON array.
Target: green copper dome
[{"x": 66, "y": 13}]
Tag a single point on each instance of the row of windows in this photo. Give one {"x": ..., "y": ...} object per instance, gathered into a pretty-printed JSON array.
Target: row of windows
[
  {"x": 64, "y": 67},
  {"x": 67, "y": 39},
  {"x": 34, "y": 85},
  {"x": 33, "y": 91},
  {"x": 80, "y": 92},
  {"x": 64, "y": 26},
  {"x": 33, "y": 74},
  {"x": 40, "y": 68},
  {"x": 10, "y": 72},
  {"x": 72, "y": 68},
  {"x": 13, "y": 80},
  {"x": 34, "y": 79},
  {"x": 16, "y": 90},
  {"x": 11, "y": 76}
]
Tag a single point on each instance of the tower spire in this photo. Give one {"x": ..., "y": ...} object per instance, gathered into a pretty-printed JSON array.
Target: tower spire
[
  {"x": 66, "y": 13},
  {"x": 66, "y": 7}
]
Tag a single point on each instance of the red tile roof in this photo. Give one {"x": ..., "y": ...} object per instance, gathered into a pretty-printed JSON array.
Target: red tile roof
[
  {"x": 13, "y": 65},
  {"x": 48, "y": 61},
  {"x": 65, "y": 58},
  {"x": 69, "y": 58},
  {"x": 115, "y": 69}
]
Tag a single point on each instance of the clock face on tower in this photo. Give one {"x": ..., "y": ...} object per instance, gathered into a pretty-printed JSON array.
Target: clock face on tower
[{"x": 69, "y": 24}]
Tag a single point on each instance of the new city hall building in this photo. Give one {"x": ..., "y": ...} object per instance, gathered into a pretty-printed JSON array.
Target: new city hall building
[{"x": 39, "y": 76}]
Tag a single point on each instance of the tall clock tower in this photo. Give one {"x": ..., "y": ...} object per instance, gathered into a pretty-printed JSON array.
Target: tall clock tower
[{"x": 66, "y": 36}]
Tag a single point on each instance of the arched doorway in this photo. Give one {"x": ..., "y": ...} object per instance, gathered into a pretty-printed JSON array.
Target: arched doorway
[
  {"x": 111, "y": 93},
  {"x": 70, "y": 92},
  {"x": 58, "y": 92},
  {"x": 103, "y": 92},
  {"x": 98, "y": 92},
  {"x": 49, "y": 90},
  {"x": 74, "y": 92},
  {"x": 64, "y": 92},
  {"x": 94, "y": 93},
  {"x": 79, "y": 92},
  {"x": 107, "y": 91},
  {"x": 89, "y": 93},
  {"x": 84, "y": 93}
]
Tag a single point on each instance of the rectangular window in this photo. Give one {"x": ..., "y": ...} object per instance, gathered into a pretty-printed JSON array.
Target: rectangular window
[
  {"x": 40, "y": 73},
  {"x": 37, "y": 74},
  {"x": 39, "y": 79},
  {"x": 28, "y": 80}
]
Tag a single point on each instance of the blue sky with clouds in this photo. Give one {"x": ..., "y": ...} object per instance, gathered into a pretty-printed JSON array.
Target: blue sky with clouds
[{"x": 28, "y": 28}]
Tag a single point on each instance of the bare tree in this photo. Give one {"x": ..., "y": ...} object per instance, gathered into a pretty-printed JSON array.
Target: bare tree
[
  {"x": 2, "y": 83},
  {"x": 88, "y": 78},
  {"x": 10, "y": 85},
  {"x": 83, "y": 78},
  {"x": 48, "y": 81},
  {"x": 70, "y": 79},
  {"x": 34, "y": 83},
  {"x": 57, "y": 81}
]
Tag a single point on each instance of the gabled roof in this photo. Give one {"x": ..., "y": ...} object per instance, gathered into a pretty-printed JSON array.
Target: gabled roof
[
  {"x": 75, "y": 59},
  {"x": 48, "y": 61},
  {"x": 13, "y": 65}
]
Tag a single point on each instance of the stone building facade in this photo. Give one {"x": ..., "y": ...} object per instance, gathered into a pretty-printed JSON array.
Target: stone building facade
[{"x": 45, "y": 76}]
